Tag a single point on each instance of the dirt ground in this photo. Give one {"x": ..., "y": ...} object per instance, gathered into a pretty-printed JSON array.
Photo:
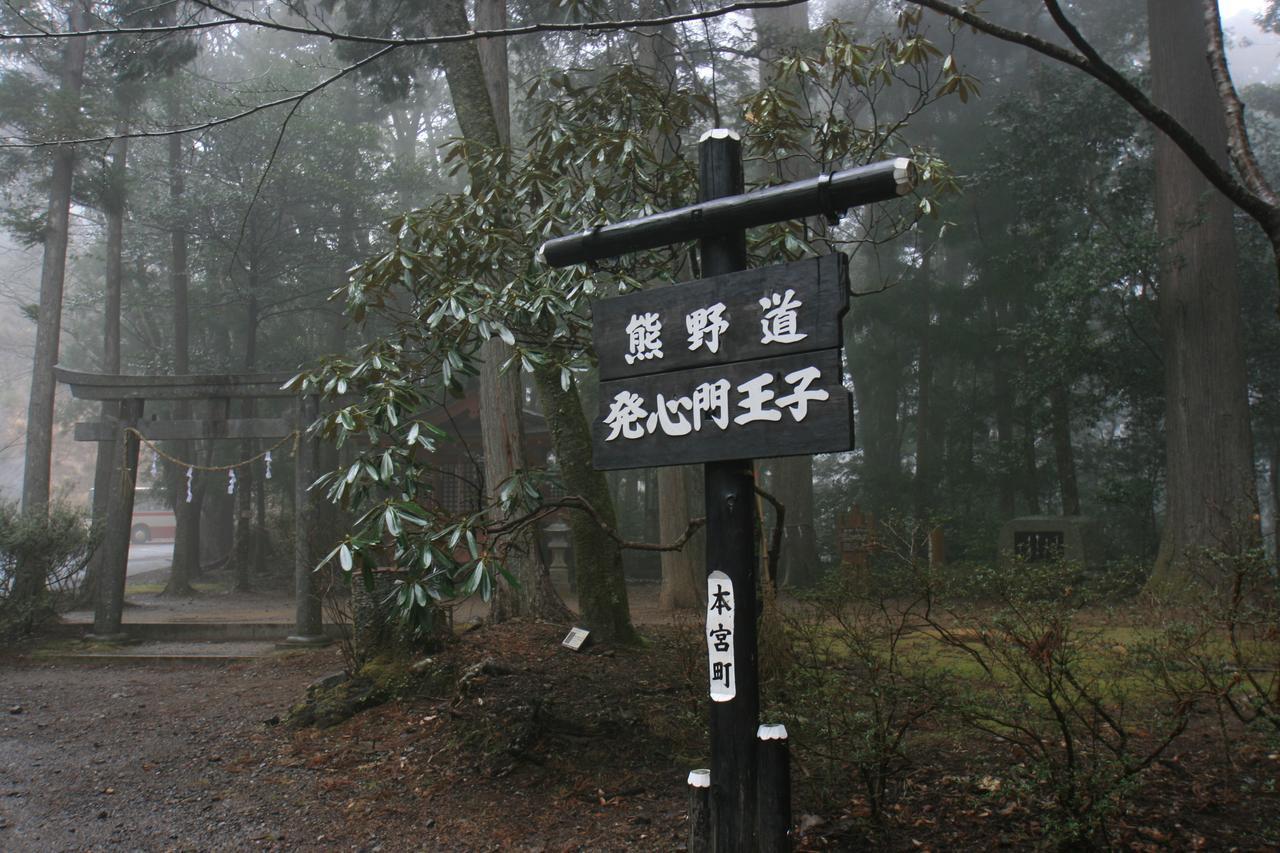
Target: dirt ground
[
  {"x": 539, "y": 749},
  {"x": 159, "y": 758}
]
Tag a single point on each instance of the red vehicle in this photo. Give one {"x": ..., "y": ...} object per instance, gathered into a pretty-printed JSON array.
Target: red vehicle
[{"x": 153, "y": 520}]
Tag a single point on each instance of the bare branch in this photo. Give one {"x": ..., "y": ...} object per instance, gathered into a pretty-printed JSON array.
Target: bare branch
[
  {"x": 262, "y": 179},
  {"x": 230, "y": 17},
  {"x": 1237, "y": 134},
  {"x": 576, "y": 502},
  {"x": 1267, "y": 215},
  {"x": 387, "y": 44},
  {"x": 152, "y": 134},
  {"x": 581, "y": 503},
  {"x": 527, "y": 29},
  {"x": 774, "y": 551},
  {"x": 39, "y": 33}
]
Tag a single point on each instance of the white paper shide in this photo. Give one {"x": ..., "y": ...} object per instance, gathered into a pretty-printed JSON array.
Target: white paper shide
[{"x": 720, "y": 611}]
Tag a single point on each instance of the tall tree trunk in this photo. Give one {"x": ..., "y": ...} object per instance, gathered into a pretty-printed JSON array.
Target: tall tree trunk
[
  {"x": 502, "y": 436},
  {"x": 331, "y": 519},
  {"x": 113, "y": 202},
  {"x": 492, "y": 15},
  {"x": 217, "y": 508},
  {"x": 29, "y": 579},
  {"x": 1030, "y": 467},
  {"x": 39, "y": 438},
  {"x": 1002, "y": 402},
  {"x": 778, "y": 30},
  {"x": 1064, "y": 456},
  {"x": 1210, "y": 486},
  {"x": 258, "y": 557},
  {"x": 682, "y": 585},
  {"x": 926, "y": 440},
  {"x": 602, "y": 589},
  {"x": 681, "y": 577},
  {"x": 877, "y": 380},
  {"x": 405, "y": 123},
  {"x": 466, "y": 77},
  {"x": 473, "y": 86},
  {"x": 244, "y": 550},
  {"x": 186, "y": 539},
  {"x": 217, "y": 520},
  {"x": 1273, "y": 482}
]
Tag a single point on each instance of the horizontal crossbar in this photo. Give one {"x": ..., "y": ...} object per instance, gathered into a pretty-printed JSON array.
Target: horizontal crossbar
[
  {"x": 200, "y": 386},
  {"x": 826, "y": 194}
]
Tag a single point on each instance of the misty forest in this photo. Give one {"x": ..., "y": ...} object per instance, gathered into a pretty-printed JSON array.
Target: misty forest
[{"x": 708, "y": 425}]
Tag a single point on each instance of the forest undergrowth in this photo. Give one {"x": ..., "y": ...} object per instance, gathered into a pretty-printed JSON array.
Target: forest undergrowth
[{"x": 1036, "y": 716}]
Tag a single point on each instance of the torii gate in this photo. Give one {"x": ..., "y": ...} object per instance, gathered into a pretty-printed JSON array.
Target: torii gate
[{"x": 131, "y": 392}]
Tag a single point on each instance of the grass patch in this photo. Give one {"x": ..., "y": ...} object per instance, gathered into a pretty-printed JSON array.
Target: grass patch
[{"x": 72, "y": 645}]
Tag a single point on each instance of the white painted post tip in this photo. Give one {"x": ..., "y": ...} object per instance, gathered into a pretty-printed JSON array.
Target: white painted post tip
[
  {"x": 904, "y": 175},
  {"x": 772, "y": 731},
  {"x": 699, "y": 778},
  {"x": 720, "y": 133}
]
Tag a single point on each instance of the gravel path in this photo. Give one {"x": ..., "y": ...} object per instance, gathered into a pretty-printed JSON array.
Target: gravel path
[{"x": 148, "y": 758}]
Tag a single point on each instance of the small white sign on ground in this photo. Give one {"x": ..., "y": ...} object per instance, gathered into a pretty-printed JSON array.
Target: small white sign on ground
[{"x": 575, "y": 639}]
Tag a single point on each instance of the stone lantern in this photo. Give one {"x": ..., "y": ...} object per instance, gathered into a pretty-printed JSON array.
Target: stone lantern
[{"x": 557, "y": 540}]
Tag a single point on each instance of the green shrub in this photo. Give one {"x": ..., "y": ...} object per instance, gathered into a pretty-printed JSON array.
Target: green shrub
[
  {"x": 1223, "y": 645},
  {"x": 857, "y": 689},
  {"x": 42, "y": 558},
  {"x": 1057, "y": 691}
]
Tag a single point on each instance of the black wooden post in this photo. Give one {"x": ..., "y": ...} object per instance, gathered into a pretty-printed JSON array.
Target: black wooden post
[
  {"x": 699, "y": 811},
  {"x": 309, "y": 616},
  {"x": 730, "y": 497},
  {"x": 773, "y": 809},
  {"x": 109, "y": 604}
]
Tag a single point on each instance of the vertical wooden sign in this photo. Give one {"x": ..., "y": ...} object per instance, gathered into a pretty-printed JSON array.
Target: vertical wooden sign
[{"x": 720, "y": 611}]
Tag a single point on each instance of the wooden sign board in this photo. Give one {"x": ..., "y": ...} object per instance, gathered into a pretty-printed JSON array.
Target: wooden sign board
[
  {"x": 795, "y": 404},
  {"x": 752, "y": 314}
]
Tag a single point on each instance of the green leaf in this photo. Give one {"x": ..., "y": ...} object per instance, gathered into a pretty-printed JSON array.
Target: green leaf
[
  {"x": 473, "y": 580},
  {"x": 510, "y": 578}
]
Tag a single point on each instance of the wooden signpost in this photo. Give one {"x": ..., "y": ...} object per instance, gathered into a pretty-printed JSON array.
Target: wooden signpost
[{"x": 741, "y": 364}]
